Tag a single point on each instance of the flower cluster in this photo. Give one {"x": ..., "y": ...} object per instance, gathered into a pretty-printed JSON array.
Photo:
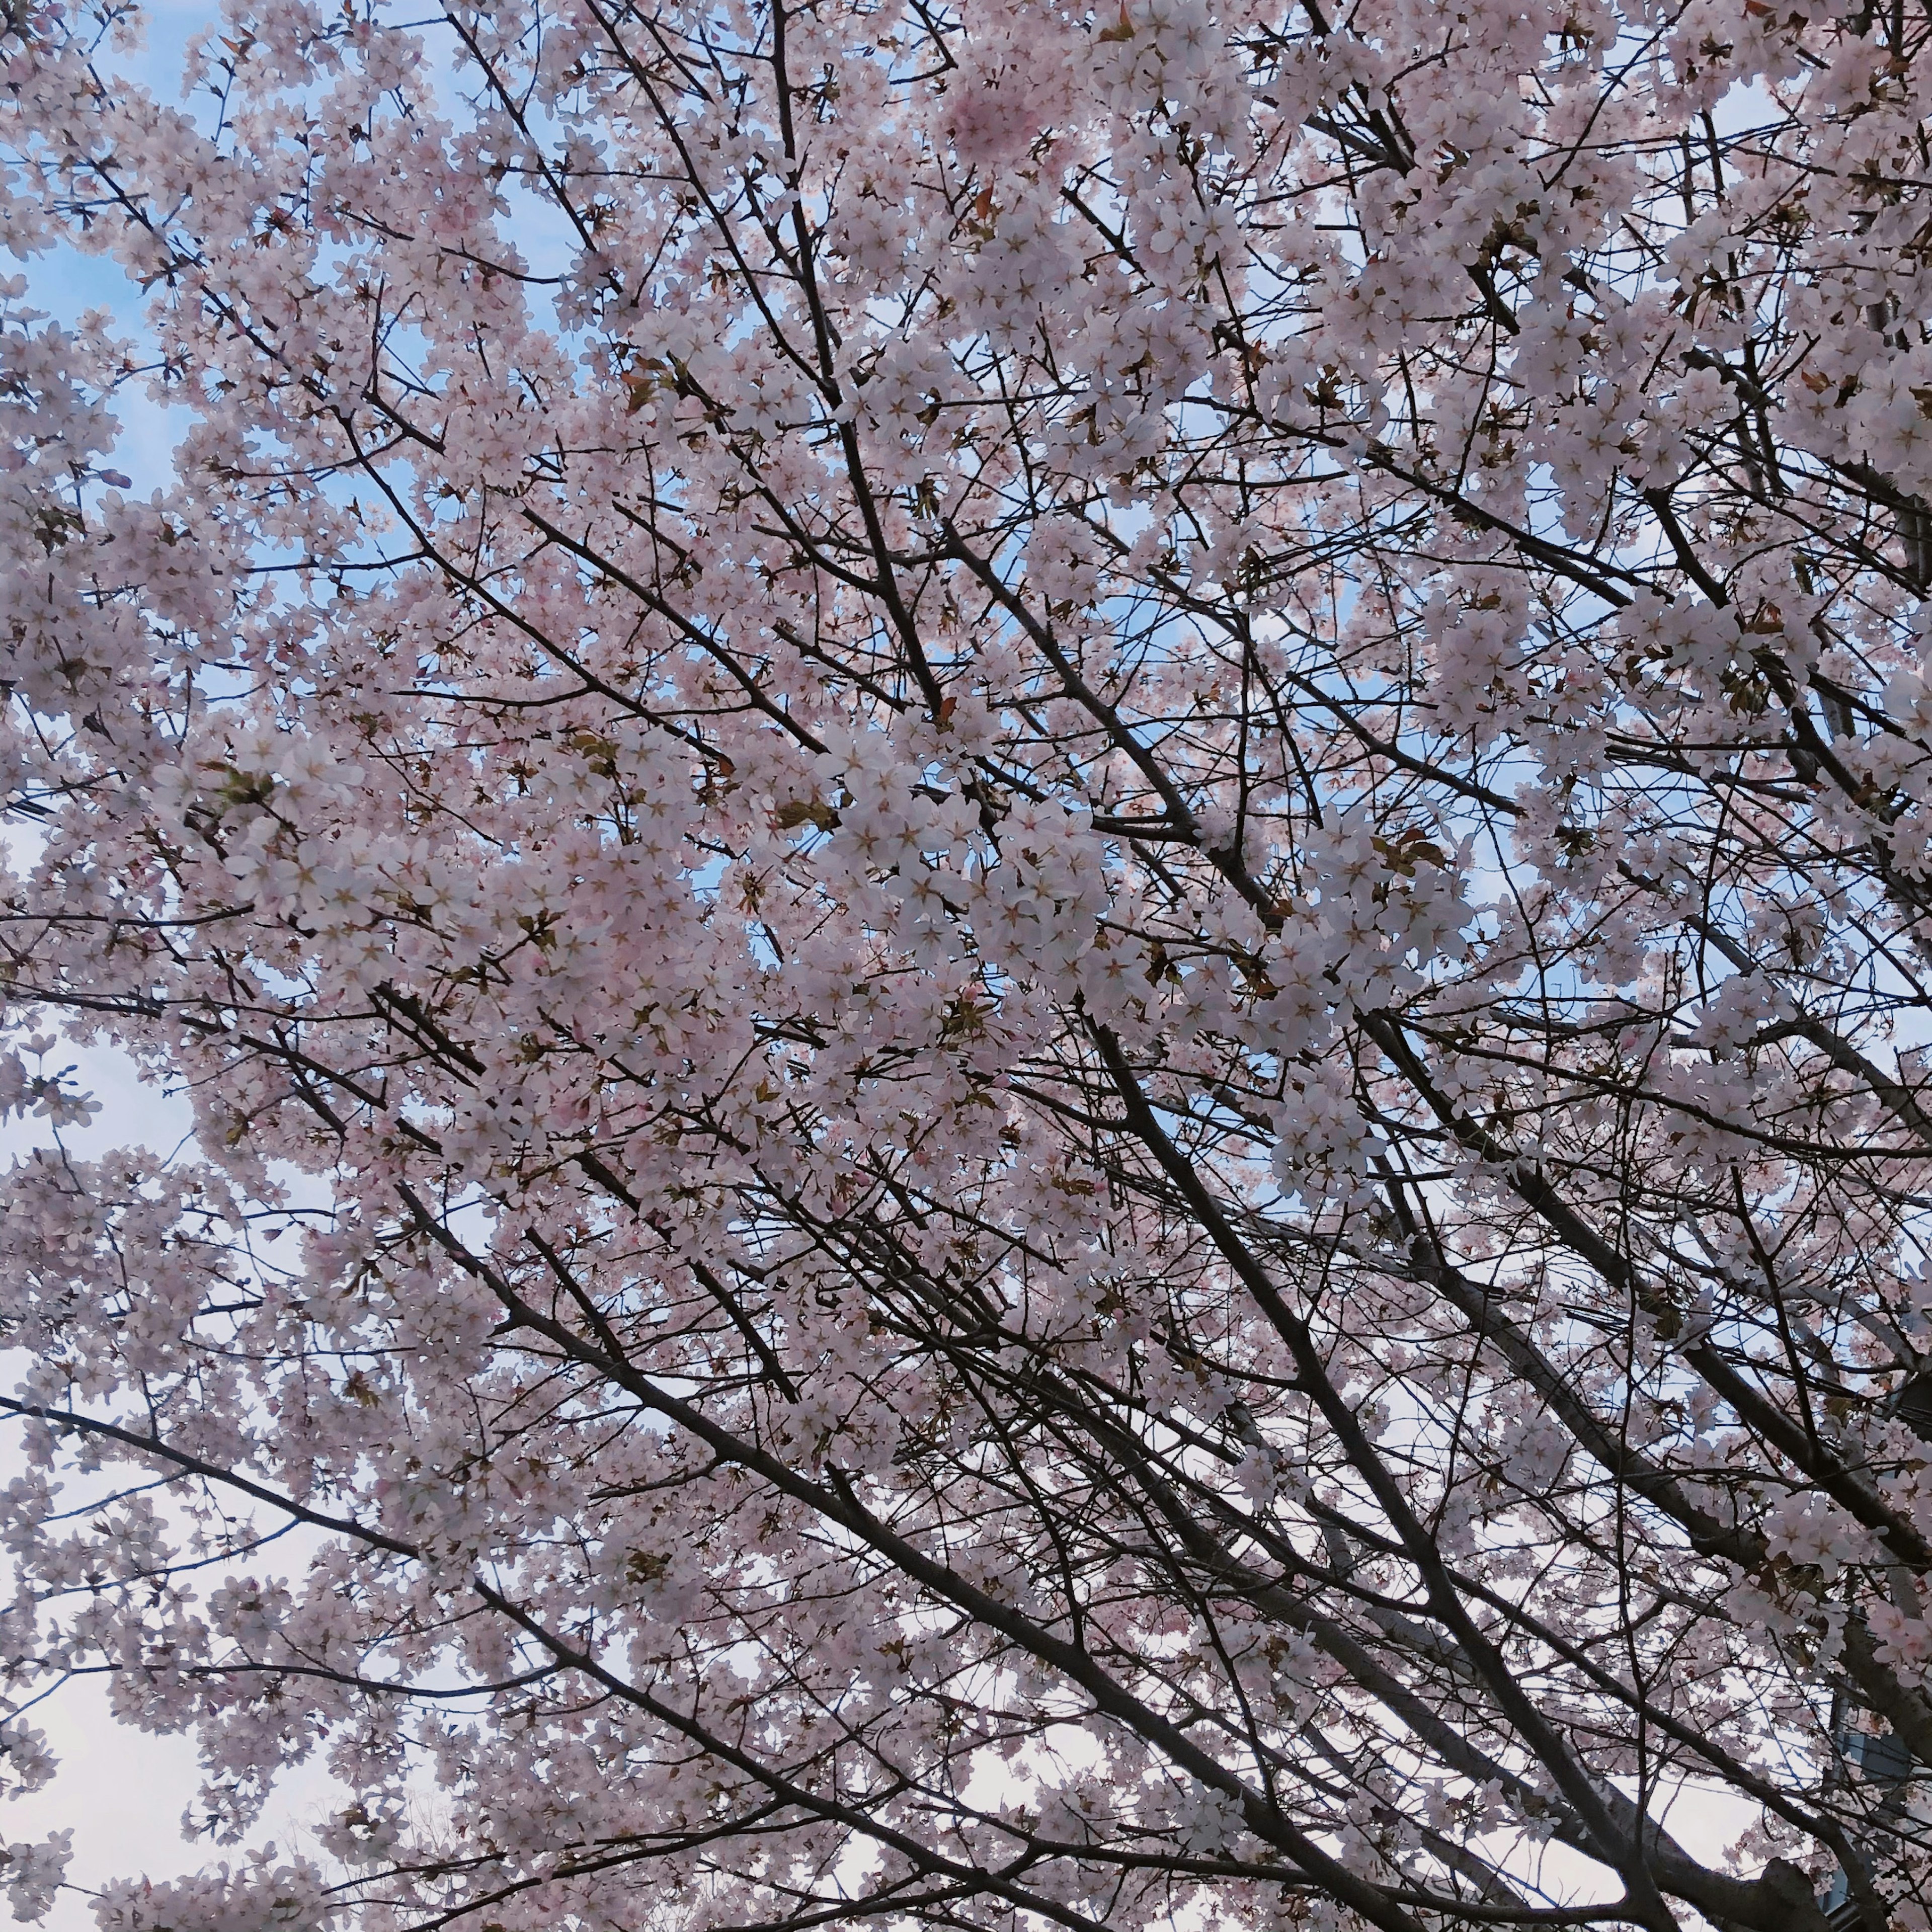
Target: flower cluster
[{"x": 1045, "y": 891}]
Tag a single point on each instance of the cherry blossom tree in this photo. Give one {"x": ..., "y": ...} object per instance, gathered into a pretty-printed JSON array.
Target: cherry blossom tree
[{"x": 1048, "y": 892}]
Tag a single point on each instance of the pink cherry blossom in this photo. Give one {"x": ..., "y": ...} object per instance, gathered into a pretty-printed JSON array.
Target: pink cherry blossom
[{"x": 1046, "y": 893}]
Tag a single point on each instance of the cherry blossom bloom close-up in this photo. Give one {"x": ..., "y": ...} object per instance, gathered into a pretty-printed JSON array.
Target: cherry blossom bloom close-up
[{"x": 1041, "y": 897}]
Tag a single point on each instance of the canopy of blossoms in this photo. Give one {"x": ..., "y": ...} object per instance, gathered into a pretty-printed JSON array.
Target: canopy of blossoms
[{"x": 1049, "y": 891}]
